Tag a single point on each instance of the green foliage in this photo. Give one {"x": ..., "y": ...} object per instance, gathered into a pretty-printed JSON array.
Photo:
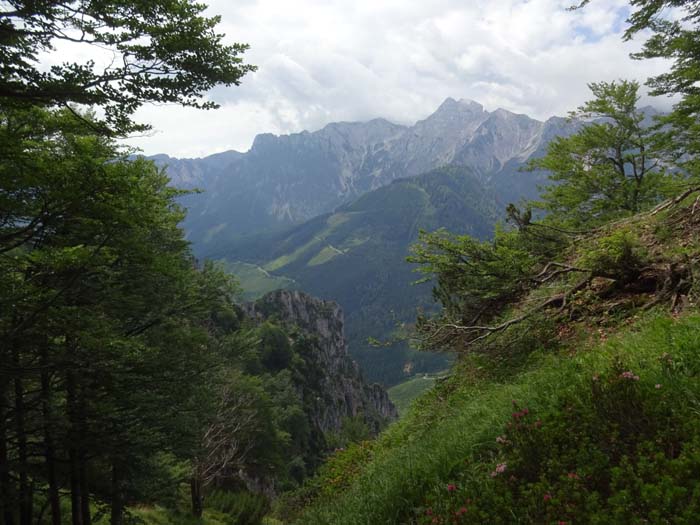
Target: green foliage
[
  {"x": 165, "y": 51},
  {"x": 241, "y": 508},
  {"x": 474, "y": 278},
  {"x": 618, "y": 451},
  {"x": 103, "y": 316},
  {"x": 675, "y": 36},
  {"x": 337, "y": 473},
  {"x": 608, "y": 169},
  {"x": 599, "y": 437},
  {"x": 619, "y": 255},
  {"x": 275, "y": 349},
  {"x": 353, "y": 430},
  {"x": 129, "y": 361}
]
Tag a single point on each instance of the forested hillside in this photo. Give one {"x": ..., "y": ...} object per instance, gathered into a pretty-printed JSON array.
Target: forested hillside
[
  {"x": 134, "y": 383},
  {"x": 574, "y": 394},
  {"x": 142, "y": 382},
  {"x": 357, "y": 256}
]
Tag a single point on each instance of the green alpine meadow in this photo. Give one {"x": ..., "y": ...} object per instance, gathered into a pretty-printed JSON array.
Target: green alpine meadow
[{"x": 271, "y": 263}]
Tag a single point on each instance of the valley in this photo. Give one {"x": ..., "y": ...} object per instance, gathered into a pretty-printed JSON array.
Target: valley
[
  {"x": 413, "y": 312},
  {"x": 465, "y": 165}
]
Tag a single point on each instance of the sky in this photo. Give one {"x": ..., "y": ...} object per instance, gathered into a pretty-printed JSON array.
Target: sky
[{"x": 322, "y": 61}]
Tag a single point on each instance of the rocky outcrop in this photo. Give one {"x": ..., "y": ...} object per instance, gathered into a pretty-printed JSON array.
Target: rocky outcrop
[{"x": 334, "y": 388}]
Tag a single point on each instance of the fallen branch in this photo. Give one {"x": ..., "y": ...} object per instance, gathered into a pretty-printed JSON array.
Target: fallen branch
[
  {"x": 563, "y": 268},
  {"x": 676, "y": 200},
  {"x": 482, "y": 332}
]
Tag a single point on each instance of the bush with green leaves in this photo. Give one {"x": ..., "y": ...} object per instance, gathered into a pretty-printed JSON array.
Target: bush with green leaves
[
  {"x": 620, "y": 447},
  {"x": 619, "y": 255},
  {"x": 598, "y": 436},
  {"x": 242, "y": 508},
  {"x": 474, "y": 278}
]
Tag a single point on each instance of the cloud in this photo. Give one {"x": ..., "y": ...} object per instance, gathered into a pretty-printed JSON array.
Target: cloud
[{"x": 323, "y": 61}]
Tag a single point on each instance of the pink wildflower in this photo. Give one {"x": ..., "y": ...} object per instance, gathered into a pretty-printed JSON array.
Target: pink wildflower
[
  {"x": 462, "y": 510},
  {"x": 629, "y": 375},
  {"x": 500, "y": 469},
  {"x": 451, "y": 487},
  {"x": 547, "y": 496},
  {"x": 657, "y": 386}
]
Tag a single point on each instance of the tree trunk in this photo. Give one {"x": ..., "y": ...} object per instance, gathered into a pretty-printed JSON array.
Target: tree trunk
[
  {"x": 6, "y": 510},
  {"x": 24, "y": 495},
  {"x": 117, "y": 507},
  {"x": 49, "y": 447},
  {"x": 197, "y": 500},
  {"x": 76, "y": 499},
  {"x": 81, "y": 424},
  {"x": 84, "y": 489}
]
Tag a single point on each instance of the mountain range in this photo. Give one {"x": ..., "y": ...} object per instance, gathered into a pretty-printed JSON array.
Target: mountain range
[
  {"x": 335, "y": 211},
  {"x": 285, "y": 180}
]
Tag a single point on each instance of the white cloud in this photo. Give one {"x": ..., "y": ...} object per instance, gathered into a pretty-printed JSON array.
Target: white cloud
[{"x": 322, "y": 61}]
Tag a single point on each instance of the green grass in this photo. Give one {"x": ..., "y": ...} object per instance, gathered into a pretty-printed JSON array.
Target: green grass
[
  {"x": 403, "y": 394},
  {"x": 325, "y": 255},
  {"x": 256, "y": 281},
  {"x": 337, "y": 219},
  {"x": 214, "y": 231},
  {"x": 457, "y": 423},
  {"x": 157, "y": 515},
  {"x": 161, "y": 516}
]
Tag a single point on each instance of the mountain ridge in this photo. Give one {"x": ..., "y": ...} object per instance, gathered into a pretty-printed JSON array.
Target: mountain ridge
[{"x": 287, "y": 179}]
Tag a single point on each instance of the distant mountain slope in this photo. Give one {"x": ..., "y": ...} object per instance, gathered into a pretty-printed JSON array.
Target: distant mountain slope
[
  {"x": 357, "y": 256},
  {"x": 286, "y": 180},
  {"x": 196, "y": 173}
]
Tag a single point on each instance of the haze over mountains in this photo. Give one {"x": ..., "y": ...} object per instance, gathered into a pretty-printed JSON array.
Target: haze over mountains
[
  {"x": 334, "y": 212},
  {"x": 285, "y": 180}
]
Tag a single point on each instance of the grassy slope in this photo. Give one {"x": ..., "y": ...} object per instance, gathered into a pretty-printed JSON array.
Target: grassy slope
[
  {"x": 403, "y": 394},
  {"x": 440, "y": 434},
  {"x": 256, "y": 281},
  {"x": 449, "y": 435}
]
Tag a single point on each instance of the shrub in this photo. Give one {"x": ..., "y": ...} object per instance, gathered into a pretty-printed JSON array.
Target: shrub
[
  {"x": 244, "y": 508},
  {"x": 616, "y": 256},
  {"x": 622, "y": 449},
  {"x": 607, "y": 435}
]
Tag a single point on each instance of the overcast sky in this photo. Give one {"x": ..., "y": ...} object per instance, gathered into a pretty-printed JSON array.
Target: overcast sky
[{"x": 322, "y": 61}]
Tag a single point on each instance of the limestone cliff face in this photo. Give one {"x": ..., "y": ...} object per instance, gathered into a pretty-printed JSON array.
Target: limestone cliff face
[{"x": 335, "y": 389}]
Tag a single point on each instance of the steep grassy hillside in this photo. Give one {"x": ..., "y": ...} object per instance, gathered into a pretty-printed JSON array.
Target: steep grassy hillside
[
  {"x": 357, "y": 257},
  {"x": 584, "y": 412},
  {"x": 403, "y": 394}
]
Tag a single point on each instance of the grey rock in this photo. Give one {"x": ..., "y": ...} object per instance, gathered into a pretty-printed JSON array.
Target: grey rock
[
  {"x": 343, "y": 392},
  {"x": 285, "y": 180}
]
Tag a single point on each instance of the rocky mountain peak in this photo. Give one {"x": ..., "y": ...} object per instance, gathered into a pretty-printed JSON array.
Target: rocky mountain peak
[
  {"x": 450, "y": 105},
  {"x": 288, "y": 179},
  {"x": 463, "y": 113}
]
